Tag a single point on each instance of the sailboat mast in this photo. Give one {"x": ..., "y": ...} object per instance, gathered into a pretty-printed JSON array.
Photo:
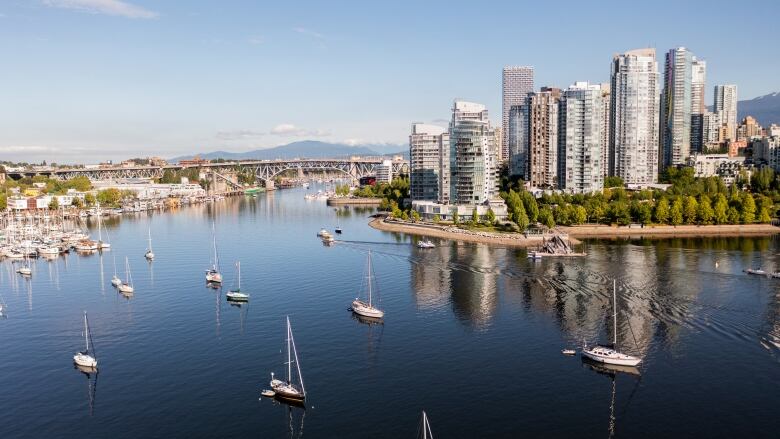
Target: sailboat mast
[
  {"x": 295, "y": 354},
  {"x": 239, "y": 289},
  {"x": 150, "y": 238},
  {"x": 289, "y": 363},
  {"x": 86, "y": 332},
  {"x": 369, "y": 278},
  {"x": 614, "y": 312}
]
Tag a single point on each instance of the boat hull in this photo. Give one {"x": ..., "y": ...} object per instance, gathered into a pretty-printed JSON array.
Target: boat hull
[
  {"x": 84, "y": 360},
  {"x": 124, "y": 288},
  {"x": 215, "y": 278},
  {"x": 361, "y": 308},
  {"x": 285, "y": 391},
  {"x": 618, "y": 360},
  {"x": 235, "y": 296}
]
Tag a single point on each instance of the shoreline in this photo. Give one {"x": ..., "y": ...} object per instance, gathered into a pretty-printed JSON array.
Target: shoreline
[
  {"x": 344, "y": 201},
  {"x": 434, "y": 231},
  {"x": 665, "y": 231}
]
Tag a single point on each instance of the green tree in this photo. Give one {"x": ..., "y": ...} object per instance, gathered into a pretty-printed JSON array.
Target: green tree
[
  {"x": 109, "y": 197},
  {"x": 491, "y": 217},
  {"x": 474, "y": 216},
  {"x": 705, "y": 213},
  {"x": 748, "y": 208},
  {"x": 620, "y": 212},
  {"x": 733, "y": 215},
  {"x": 580, "y": 215},
  {"x": 644, "y": 212},
  {"x": 613, "y": 181},
  {"x": 80, "y": 183},
  {"x": 76, "y": 202},
  {"x": 662, "y": 211},
  {"x": 455, "y": 217},
  {"x": 546, "y": 217},
  {"x": 763, "y": 216},
  {"x": 436, "y": 218},
  {"x": 89, "y": 199},
  {"x": 530, "y": 205},
  {"x": 676, "y": 212},
  {"x": 54, "y": 204},
  {"x": 415, "y": 216},
  {"x": 690, "y": 209},
  {"x": 721, "y": 209},
  {"x": 761, "y": 180},
  {"x": 520, "y": 217}
]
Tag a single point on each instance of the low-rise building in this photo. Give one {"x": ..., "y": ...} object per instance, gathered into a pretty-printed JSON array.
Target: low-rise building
[
  {"x": 384, "y": 172},
  {"x": 430, "y": 209}
]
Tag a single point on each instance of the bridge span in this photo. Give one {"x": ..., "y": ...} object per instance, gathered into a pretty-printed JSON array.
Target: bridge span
[{"x": 263, "y": 170}]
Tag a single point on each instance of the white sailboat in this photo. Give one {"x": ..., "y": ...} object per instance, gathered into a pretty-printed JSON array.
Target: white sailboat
[
  {"x": 288, "y": 389},
  {"x": 367, "y": 308},
  {"x": 149, "y": 252},
  {"x": 25, "y": 270},
  {"x": 115, "y": 280},
  {"x": 101, "y": 245},
  {"x": 236, "y": 295},
  {"x": 86, "y": 358},
  {"x": 609, "y": 354},
  {"x": 425, "y": 428},
  {"x": 213, "y": 275},
  {"x": 127, "y": 285}
]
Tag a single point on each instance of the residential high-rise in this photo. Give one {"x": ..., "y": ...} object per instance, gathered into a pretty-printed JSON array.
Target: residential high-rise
[
  {"x": 473, "y": 155},
  {"x": 711, "y": 138},
  {"x": 541, "y": 115},
  {"x": 726, "y": 104},
  {"x": 425, "y": 144},
  {"x": 633, "y": 138},
  {"x": 606, "y": 99},
  {"x": 749, "y": 128},
  {"x": 698, "y": 82},
  {"x": 580, "y": 140},
  {"x": 676, "y": 108},
  {"x": 518, "y": 141},
  {"x": 516, "y": 83}
]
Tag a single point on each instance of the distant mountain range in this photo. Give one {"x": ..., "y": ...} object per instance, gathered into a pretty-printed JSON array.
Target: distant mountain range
[
  {"x": 766, "y": 109},
  {"x": 304, "y": 149}
]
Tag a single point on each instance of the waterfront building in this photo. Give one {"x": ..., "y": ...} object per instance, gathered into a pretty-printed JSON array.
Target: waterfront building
[
  {"x": 711, "y": 130},
  {"x": 675, "y": 113},
  {"x": 773, "y": 130},
  {"x": 541, "y": 136},
  {"x": 767, "y": 151},
  {"x": 425, "y": 146},
  {"x": 580, "y": 140},
  {"x": 606, "y": 99},
  {"x": 473, "y": 155},
  {"x": 698, "y": 82},
  {"x": 633, "y": 139},
  {"x": 748, "y": 129},
  {"x": 518, "y": 141},
  {"x": 726, "y": 105},
  {"x": 384, "y": 172},
  {"x": 516, "y": 83}
]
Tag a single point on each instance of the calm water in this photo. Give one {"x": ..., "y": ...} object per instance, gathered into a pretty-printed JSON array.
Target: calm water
[{"x": 472, "y": 335}]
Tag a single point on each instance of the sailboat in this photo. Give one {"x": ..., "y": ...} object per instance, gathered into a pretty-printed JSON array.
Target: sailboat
[
  {"x": 425, "y": 428},
  {"x": 288, "y": 389},
  {"x": 86, "y": 358},
  {"x": 115, "y": 280},
  {"x": 362, "y": 307},
  {"x": 609, "y": 354},
  {"x": 213, "y": 274},
  {"x": 25, "y": 270},
  {"x": 236, "y": 295},
  {"x": 149, "y": 253},
  {"x": 127, "y": 285},
  {"x": 100, "y": 244}
]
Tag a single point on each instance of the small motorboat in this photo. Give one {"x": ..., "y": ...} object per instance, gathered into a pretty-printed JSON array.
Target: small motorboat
[
  {"x": 268, "y": 393},
  {"x": 338, "y": 230},
  {"x": 323, "y": 232},
  {"x": 116, "y": 281},
  {"x": 24, "y": 271},
  {"x": 534, "y": 255},
  {"x": 425, "y": 244},
  {"x": 775, "y": 275},
  {"x": 569, "y": 352},
  {"x": 756, "y": 271}
]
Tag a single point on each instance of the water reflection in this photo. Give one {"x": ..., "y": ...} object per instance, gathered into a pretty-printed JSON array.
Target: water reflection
[{"x": 91, "y": 374}]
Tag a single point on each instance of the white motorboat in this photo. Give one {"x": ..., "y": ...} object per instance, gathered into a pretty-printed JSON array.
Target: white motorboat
[
  {"x": 213, "y": 275},
  {"x": 323, "y": 232},
  {"x": 609, "y": 354},
  {"x": 534, "y": 255},
  {"x": 86, "y": 245},
  {"x": 425, "y": 244},
  {"x": 86, "y": 358},
  {"x": 289, "y": 389},
  {"x": 126, "y": 286},
  {"x": 237, "y": 295},
  {"x": 24, "y": 271},
  {"x": 756, "y": 271},
  {"x": 569, "y": 352},
  {"x": 268, "y": 393},
  {"x": 149, "y": 252},
  {"x": 48, "y": 250},
  {"x": 366, "y": 307}
]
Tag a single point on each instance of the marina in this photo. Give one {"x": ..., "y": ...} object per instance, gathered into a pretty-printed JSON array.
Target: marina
[{"x": 451, "y": 312}]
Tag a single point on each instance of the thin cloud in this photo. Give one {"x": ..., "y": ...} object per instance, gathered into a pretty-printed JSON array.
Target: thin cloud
[
  {"x": 309, "y": 32},
  {"x": 239, "y": 134},
  {"x": 105, "y": 7},
  {"x": 288, "y": 129}
]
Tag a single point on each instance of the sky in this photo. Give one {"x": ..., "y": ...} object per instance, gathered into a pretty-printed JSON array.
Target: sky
[{"x": 90, "y": 80}]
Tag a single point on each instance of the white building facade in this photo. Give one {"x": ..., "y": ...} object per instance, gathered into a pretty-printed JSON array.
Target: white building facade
[
  {"x": 425, "y": 147},
  {"x": 580, "y": 139}
]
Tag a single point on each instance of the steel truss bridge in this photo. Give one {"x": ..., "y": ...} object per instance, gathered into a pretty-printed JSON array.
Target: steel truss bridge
[{"x": 264, "y": 170}]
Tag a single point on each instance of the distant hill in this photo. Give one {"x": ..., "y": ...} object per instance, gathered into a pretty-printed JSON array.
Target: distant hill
[
  {"x": 766, "y": 109},
  {"x": 305, "y": 148}
]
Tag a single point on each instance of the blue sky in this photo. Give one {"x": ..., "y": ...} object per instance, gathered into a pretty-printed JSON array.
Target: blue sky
[{"x": 87, "y": 80}]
